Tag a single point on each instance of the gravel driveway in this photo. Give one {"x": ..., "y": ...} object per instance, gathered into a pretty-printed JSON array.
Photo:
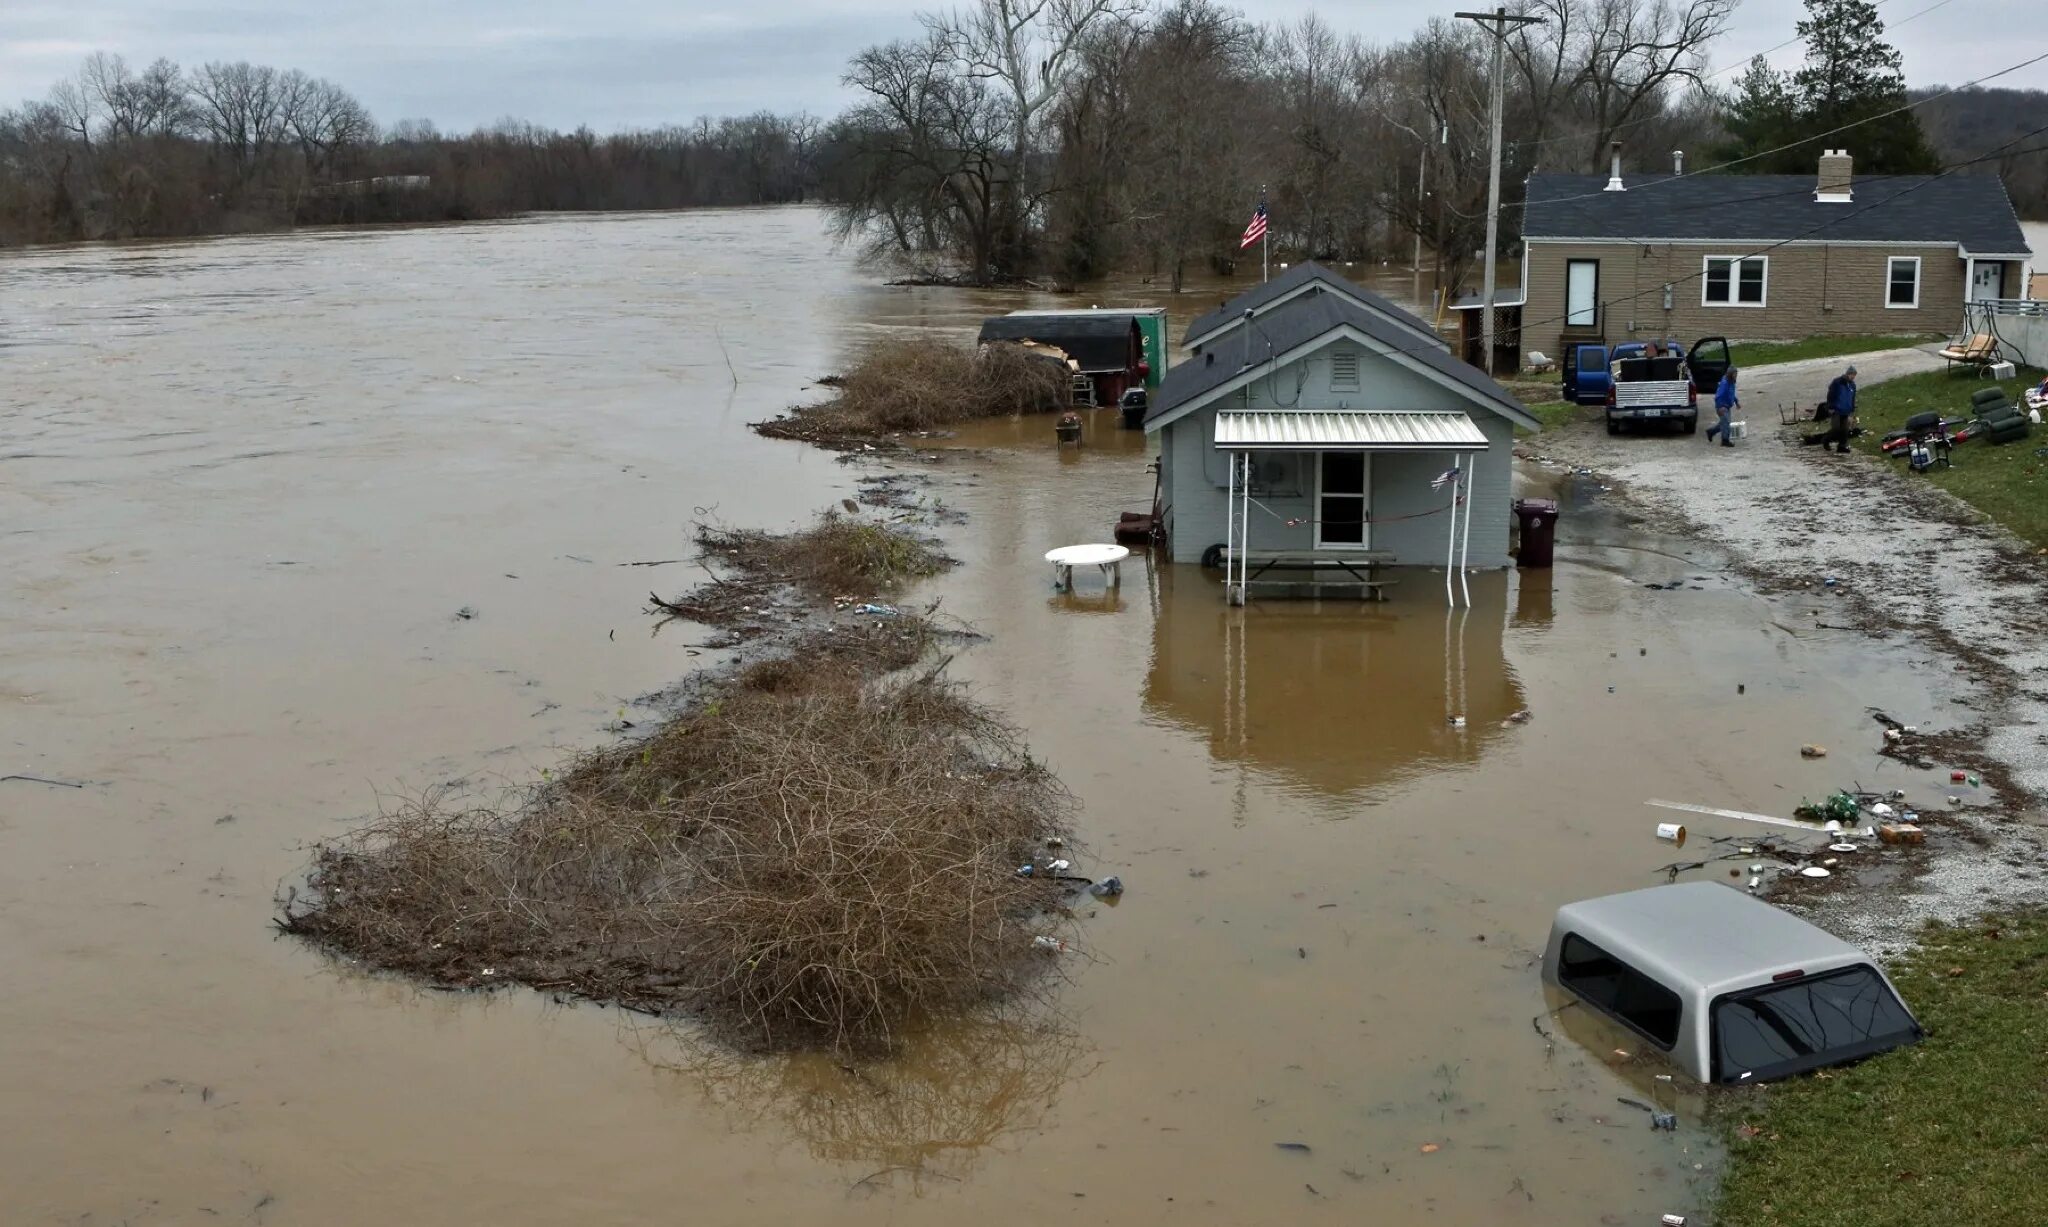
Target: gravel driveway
[{"x": 1913, "y": 564}]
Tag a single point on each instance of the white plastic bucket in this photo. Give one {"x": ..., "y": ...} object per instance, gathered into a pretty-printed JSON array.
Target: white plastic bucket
[{"x": 1672, "y": 833}]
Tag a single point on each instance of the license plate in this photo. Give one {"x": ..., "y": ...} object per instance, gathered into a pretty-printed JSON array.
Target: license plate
[{"x": 1653, "y": 413}]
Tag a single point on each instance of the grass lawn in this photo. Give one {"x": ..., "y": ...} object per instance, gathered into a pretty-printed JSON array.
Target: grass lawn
[
  {"x": 1757, "y": 353},
  {"x": 2009, "y": 482},
  {"x": 1953, "y": 1131}
]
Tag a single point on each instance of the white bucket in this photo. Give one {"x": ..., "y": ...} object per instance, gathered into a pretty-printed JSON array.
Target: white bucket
[
  {"x": 1738, "y": 429},
  {"x": 1672, "y": 833}
]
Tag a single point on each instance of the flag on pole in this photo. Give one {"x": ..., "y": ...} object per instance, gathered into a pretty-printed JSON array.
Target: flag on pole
[
  {"x": 1441, "y": 478},
  {"x": 1257, "y": 229}
]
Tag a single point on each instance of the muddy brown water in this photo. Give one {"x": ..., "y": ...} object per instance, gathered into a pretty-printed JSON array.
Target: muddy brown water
[{"x": 247, "y": 486}]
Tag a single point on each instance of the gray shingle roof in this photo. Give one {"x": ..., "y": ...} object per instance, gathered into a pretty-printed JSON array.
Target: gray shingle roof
[
  {"x": 1968, "y": 209},
  {"x": 1286, "y": 283},
  {"x": 1298, "y": 322}
]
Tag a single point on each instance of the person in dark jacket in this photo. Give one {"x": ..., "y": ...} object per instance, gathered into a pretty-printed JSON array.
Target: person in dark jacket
[
  {"x": 1726, "y": 402},
  {"x": 1841, "y": 404}
]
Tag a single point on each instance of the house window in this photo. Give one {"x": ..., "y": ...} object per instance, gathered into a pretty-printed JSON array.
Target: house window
[
  {"x": 1734, "y": 281},
  {"x": 1581, "y": 293},
  {"x": 1902, "y": 281},
  {"x": 1616, "y": 989},
  {"x": 1344, "y": 370}
]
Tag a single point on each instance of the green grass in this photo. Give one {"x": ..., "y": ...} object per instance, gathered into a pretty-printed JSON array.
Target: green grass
[
  {"x": 2008, "y": 483},
  {"x": 1953, "y": 1131},
  {"x": 1759, "y": 353}
]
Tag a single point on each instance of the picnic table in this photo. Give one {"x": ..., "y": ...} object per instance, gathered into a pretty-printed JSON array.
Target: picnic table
[{"x": 1340, "y": 568}]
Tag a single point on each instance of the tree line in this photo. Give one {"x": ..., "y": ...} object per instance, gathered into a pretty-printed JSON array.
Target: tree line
[
  {"x": 1015, "y": 139},
  {"x": 113, "y": 152},
  {"x": 1074, "y": 137}
]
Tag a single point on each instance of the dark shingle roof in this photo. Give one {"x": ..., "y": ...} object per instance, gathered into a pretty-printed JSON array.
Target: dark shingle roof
[
  {"x": 1286, "y": 283},
  {"x": 1298, "y": 322},
  {"x": 1970, "y": 210},
  {"x": 1096, "y": 342}
]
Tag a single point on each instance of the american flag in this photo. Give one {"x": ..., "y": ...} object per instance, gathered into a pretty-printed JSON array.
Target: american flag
[
  {"x": 1257, "y": 229},
  {"x": 1441, "y": 478}
]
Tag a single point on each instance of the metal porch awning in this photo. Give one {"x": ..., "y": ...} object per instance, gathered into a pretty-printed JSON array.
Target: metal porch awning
[{"x": 1348, "y": 430}]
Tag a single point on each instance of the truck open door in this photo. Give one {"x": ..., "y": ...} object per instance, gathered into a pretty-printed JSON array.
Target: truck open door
[
  {"x": 1708, "y": 361},
  {"x": 1586, "y": 378}
]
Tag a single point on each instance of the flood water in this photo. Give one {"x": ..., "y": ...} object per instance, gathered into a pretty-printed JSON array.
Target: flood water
[{"x": 246, "y": 490}]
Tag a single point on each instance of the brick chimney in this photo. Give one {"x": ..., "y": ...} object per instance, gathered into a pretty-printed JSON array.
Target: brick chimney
[
  {"x": 1614, "y": 183},
  {"x": 1836, "y": 173}
]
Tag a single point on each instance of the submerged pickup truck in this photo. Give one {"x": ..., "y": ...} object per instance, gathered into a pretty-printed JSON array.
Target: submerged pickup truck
[{"x": 1638, "y": 388}]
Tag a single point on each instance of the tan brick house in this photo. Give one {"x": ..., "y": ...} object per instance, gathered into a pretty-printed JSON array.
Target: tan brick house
[{"x": 1762, "y": 257}]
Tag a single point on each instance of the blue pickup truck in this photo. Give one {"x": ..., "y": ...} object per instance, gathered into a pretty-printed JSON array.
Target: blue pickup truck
[{"x": 1665, "y": 389}]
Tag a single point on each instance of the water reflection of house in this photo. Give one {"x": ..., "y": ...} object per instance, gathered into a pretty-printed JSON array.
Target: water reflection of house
[{"x": 1338, "y": 696}]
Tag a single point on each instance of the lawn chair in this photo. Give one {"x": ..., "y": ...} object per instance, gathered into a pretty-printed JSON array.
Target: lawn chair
[
  {"x": 1997, "y": 420},
  {"x": 1977, "y": 352}
]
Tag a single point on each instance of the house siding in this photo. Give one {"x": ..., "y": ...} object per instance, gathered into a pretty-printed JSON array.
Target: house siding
[
  {"x": 1408, "y": 516},
  {"x": 1827, "y": 289}
]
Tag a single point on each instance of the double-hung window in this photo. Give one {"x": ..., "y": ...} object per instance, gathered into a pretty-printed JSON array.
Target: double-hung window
[
  {"x": 1734, "y": 281},
  {"x": 1902, "y": 282}
]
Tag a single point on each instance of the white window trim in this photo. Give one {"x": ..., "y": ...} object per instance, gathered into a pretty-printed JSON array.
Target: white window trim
[
  {"x": 1901, "y": 306},
  {"x": 1735, "y": 264}
]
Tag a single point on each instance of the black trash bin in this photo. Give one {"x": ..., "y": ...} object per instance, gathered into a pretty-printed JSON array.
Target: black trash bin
[{"x": 1538, "y": 517}]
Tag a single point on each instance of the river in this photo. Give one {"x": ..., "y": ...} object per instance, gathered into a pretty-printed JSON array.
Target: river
[{"x": 297, "y": 523}]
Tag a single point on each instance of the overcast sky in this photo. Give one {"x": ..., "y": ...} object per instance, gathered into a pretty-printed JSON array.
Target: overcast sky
[{"x": 626, "y": 63}]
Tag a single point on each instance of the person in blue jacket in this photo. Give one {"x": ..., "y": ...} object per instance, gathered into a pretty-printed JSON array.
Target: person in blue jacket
[
  {"x": 1841, "y": 407},
  {"x": 1725, "y": 405}
]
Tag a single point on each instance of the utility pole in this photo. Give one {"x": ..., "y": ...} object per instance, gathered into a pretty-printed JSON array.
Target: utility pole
[{"x": 1497, "y": 24}]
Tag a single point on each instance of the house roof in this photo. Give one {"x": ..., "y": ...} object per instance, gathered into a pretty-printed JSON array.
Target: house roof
[
  {"x": 1095, "y": 342},
  {"x": 1293, "y": 281},
  {"x": 1301, "y": 321},
  {"x": 1971, "y": 211},
  {"x": 1331, "y": 430}
]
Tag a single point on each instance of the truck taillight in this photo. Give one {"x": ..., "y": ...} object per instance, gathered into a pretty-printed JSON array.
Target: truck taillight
[
  {"x": 1610, "y": 396},
  {"x": 1692, "y": 395}
]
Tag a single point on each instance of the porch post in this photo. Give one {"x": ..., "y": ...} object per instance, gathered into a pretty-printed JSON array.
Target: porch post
[
  {"x": 1465, "y": 548},
  {"x": 1230, "y": 527},
  {"x": 1451, "y": 546},
  {"x": 1969, "y": 288},
  {"x": 1244, "y": 533}
]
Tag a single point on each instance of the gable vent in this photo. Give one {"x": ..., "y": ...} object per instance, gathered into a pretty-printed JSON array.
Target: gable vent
[{"x": 1344, "y": 369}]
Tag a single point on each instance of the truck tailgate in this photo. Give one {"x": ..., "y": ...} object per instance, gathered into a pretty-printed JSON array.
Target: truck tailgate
[{"x": 1659, "y": 393}]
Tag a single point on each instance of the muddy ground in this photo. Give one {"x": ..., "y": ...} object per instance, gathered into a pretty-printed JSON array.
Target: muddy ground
[{"x": 1913, "y": 571}]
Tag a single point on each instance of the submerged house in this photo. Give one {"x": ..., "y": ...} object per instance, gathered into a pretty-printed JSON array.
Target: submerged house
[
  {"x": 1325, "y": 417},
  {"x": 1107, "y": 347}
]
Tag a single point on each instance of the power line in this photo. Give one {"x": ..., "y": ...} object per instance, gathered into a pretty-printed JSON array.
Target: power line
[{"x": 1806, "y": 140}]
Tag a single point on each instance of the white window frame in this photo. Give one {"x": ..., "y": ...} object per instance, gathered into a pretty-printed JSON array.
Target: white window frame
[
  {"x": 1338, "y": 381},
  {"x": 1735, "y": 264},
  {"x": 1901, "y": 306},
  {"x": 1364, "y": 507}
]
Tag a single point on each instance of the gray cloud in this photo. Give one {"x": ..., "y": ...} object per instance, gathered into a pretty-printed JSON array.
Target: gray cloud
[{"x": 622, "y": 63}]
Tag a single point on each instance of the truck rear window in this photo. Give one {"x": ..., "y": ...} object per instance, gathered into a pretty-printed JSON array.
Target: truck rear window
[
  {"x": 1617, "y": 989},
  {"x": 1784, "y": 1029}
]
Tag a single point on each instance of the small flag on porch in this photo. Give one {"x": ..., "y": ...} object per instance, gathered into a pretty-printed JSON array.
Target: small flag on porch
[
  {"x": 1257, "y": 229},
  {"x": 1446, "y": 476}
]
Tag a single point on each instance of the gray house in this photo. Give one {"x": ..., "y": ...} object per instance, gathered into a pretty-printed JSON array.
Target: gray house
[{"x": 1325, "y": 432}]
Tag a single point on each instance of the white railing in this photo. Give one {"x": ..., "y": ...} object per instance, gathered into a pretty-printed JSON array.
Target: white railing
[{"x": 2013, "y": 306}]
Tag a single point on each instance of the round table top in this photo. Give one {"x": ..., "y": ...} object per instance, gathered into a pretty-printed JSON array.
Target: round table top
[{"x": 1098, "y": 554}]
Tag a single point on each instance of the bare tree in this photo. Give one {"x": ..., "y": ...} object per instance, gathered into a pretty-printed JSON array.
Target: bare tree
[
  {"x": 1600, "y": 66},
  {"x": 240, "y": 105}
]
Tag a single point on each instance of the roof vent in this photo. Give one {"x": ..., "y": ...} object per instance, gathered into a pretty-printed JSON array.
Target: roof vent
[
  {"x": 1837, "y": 172},
  {"x": 1614, "y": 183},
  {"x": 1678, "y": 161}
]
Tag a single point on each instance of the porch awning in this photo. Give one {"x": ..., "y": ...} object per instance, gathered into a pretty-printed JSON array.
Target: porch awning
[{"x": 1350, "y": 430}]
